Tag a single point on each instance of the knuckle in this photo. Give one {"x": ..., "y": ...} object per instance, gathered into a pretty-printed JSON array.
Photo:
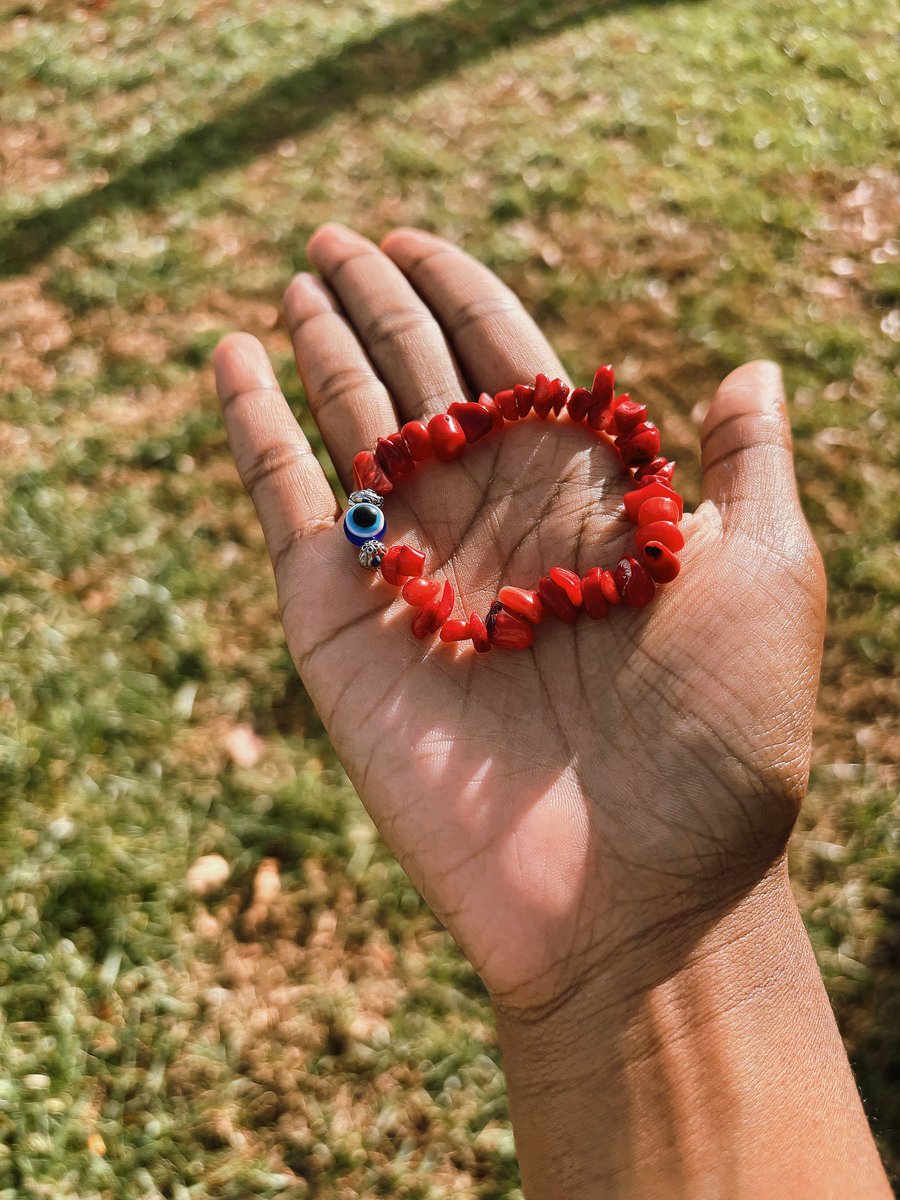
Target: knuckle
[
  {"x": 484, "y": 308},
  {"x": 248, "y": 395},
  {"x": 270, "y": 461},
  {"x": 340, "y": 383},
  {"x": 301, "y": 317},
  {"x": 736, "y": 432},
  {"x": 396, "y": 324}
]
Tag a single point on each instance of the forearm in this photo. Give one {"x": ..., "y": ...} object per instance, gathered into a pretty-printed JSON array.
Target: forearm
[{"x": 725, "y": 1078}]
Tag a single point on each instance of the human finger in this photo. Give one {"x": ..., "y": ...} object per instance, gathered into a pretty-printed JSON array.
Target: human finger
[
  {"x": 281, "y": 473},
  {"x": 348, "y": 401},
  {"x": 496, "y": 342},
  {"x": 399, "y": 333},
  {"x": 747, "y": 456}
]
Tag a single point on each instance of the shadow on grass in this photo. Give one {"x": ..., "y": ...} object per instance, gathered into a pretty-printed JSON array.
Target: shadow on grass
[{"x": 408, "y": 54}]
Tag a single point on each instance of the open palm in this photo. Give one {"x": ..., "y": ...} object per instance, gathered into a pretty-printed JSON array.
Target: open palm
[{"x": 620, "y": 780}]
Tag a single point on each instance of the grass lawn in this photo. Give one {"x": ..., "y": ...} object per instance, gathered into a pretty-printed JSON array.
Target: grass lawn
[{"x": 673, "y": 186}]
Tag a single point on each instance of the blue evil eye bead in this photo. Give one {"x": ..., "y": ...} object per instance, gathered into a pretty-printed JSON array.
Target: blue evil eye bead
[{"x": 364, "y": 523}]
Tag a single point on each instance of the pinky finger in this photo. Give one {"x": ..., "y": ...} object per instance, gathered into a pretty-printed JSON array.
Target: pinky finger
[{"x": 278, "y": 468}]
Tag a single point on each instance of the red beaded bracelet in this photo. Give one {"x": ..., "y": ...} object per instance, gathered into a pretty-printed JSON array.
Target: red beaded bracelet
[{"x": 654, "y": 506}]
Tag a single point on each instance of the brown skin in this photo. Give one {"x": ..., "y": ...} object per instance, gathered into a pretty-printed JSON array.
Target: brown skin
[{"x": 593, "y": 819}]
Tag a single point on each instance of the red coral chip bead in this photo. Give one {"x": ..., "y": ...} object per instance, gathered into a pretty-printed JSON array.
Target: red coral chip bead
[
  {"x": 649, "y": 468},
  {"x": 608, "y": 588},
  {"x": 662, "y": 565},
  {"x": 604, "y": 385},
  {"x": 397, "y": 440},
  {"x": 542, "y": 400},
  {"x": 445, "y": 604},
  {"x": 601, "y": 418},
  {"x": 639, "y": 446},
  {"x": 418, "y": 440},
  {"x": 612, "y": 427},
  {"x": 656, "y": 465},
  {"x": 661, "y": 475},
  {"x": 634, "y": 500},
  {"x": 569, "y": 582},
  {"x": 511, "y": 632},
  {"x": 658, "y": 508},
  {"x": 368, "y": 474},
  {"x": 579, "y": 404},
  {"x": 629, "y": 415},
  {"x": 559, "y": 393},
  {"x": 390, "y": 569},
  {"x": 454, "y": 629},
  {"x": 666, "y": 532},
  {"x": 419, "y": 591},
  {"x": 474, "y": 419},
  {"x": 524, "y": 395},
  {"x": 634, "y": 583},
  {"x": 479, "y": 634},
  {"x": 410, "y": 561},
  {"x": 490, "y": 405},
  {"x": 424, "y": 622},
  {"x": 432, "y": 616},
  {"x": 555, "y": 598},
  {"x": 447, "y": 437},
  {"x": 506, "y": 402},
  {"x": 393, "y": 456},
  {"x": 522, "y": 603},
  {"x": 593, "y": 600}
]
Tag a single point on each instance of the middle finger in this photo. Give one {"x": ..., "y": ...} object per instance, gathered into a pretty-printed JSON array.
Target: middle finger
[{"x": 398, "y": 331}]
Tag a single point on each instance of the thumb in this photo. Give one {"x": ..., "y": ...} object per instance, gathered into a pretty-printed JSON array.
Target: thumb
[{"x": 747, "y": 458}]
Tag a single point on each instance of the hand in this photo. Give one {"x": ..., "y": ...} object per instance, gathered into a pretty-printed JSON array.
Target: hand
[
  {"x": 626, "y": 779},
  {"x": 599, "y": 821}
]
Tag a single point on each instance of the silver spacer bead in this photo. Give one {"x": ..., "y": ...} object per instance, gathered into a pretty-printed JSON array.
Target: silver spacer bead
[
  {"x": 371, "y": 554},
  {"x": 366, "y": 496}
]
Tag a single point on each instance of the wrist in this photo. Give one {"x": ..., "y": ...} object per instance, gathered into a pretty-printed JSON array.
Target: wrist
[
  {"x": 667, "y": 1073},
  {"x": 674, "y": 977}
]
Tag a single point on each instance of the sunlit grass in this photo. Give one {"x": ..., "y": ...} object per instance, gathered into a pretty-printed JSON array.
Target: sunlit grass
[{"x": 677, "y": 187}]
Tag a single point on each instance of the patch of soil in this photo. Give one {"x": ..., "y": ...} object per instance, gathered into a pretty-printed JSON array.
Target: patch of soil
[{"x": 301, "y": 987}]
